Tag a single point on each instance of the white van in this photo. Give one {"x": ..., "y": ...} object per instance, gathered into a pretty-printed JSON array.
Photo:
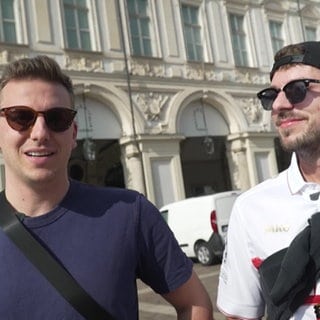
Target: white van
[{"x": 200, "y": 224}]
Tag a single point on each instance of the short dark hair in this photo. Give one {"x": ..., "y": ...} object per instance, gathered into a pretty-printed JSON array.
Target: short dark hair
[{"x": 39, "y": 67}]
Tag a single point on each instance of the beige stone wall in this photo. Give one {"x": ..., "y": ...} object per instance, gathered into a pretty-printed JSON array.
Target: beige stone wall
[{"x": 166, "y": 85}]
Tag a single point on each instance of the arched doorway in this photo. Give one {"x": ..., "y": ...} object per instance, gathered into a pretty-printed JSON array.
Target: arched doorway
[
  {"x": 105, "y": 170},
  {"x": 96, "y": 159},
  {"x": 203, "y": 152}
]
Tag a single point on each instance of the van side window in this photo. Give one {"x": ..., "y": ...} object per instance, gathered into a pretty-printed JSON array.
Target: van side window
[{"x": 164, "y": 214}]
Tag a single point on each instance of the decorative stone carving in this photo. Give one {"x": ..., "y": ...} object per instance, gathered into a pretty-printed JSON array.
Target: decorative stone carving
[
  {"x": 311, "y": 11},
  {"x": 194, "y": 72},
  {"x": 84, "y": 64},
  {"x": 215, "y": 75},
  {"x": 8, "y": 56},
  {"x": 251, "y": 108},
  {"x": 242, "y": 77},
  {"x": 4, "y": 57},
  {"x": 150, "y": 104},
  {"x": 236, "y": 76},
  {"x": 147, "y": 68},
  {"x": 139, "y": 69}
]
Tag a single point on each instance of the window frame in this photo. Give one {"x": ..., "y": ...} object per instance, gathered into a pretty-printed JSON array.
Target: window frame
[
  {"x": 277, "y": 40},
  {"x": 92, "y": 28},
  {"x": 152, "y": 29},
  {"x": 194, "y": 55},
  {"x": 10, "y": 21},
  {"x": 278, "y": 15},
  {"x": 240, "y": 59},
  {"x": 20, "y": 24},
  {"x": 314, "y": 29}
]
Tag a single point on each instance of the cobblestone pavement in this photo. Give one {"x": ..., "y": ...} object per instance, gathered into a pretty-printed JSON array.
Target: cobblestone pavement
[{"x": 154, "y": 307}]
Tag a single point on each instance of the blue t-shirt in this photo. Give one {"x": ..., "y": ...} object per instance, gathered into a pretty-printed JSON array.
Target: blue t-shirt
[{"x": 106, "y": 238}]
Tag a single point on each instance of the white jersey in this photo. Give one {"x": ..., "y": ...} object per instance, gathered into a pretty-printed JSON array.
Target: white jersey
[{"x": 264, "y": 219}]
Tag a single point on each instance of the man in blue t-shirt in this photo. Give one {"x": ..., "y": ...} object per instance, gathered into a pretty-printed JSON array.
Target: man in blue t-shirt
[{"x": 106, "y": 238}]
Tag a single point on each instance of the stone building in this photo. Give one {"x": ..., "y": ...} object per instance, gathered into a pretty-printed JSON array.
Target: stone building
[{"x": 165, "y": 89}]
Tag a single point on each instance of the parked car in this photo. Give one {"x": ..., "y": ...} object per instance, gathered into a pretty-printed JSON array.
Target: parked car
[{"x": 200, "y": 224}]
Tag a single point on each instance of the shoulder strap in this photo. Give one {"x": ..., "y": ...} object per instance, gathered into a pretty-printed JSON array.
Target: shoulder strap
[{"x": 50, "y": 268}]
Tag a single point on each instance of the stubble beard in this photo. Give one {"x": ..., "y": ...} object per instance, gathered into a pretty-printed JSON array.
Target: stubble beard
[{"x": 305, "y": 145}]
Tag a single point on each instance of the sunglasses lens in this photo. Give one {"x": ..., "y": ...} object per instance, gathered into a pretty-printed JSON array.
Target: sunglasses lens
[
  {"x": 59, "y": 119},
  {"x": 20, "y": 119},
  {"x": 295, "y": 91},
  {"x": 267, "y": 97}
]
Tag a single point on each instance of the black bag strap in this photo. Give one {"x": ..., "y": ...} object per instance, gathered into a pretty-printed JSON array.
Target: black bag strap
[{"x": 53, "y": 270}]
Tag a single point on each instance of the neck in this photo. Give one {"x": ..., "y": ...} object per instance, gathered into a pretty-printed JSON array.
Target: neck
[
  {"x": 38, "y": 199},
  {"x": 309, "y": 167}
]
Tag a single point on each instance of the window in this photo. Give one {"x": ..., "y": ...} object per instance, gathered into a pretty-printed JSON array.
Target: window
[
  {"x": 311, "y": 34},
  {"x": 139, "y": 19},
  {"x": 276, "y": 35},
  {"x": 77, "y": 24},
  {"x": 238, "y": 38},
  {"x": 7, "y": 22},
  {"x": 192, "y": 33}
]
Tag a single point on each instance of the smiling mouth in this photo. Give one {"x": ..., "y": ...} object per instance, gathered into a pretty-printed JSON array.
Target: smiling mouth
[
  {"x": 39, "y": 154},
  {"x": 287, "y": 121}
]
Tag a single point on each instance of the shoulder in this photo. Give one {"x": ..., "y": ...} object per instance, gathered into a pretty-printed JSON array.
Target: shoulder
[
  {"x": 269, "y": 188},
  {"x": 89, "y": 190},
  {"x": 84, "y": 197},
  {"x": 264, "y": 197},
  {"x": 97, "y": 194}
]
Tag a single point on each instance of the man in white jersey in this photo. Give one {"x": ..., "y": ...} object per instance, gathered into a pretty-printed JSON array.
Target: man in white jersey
[{"x": 268, "y": 217}]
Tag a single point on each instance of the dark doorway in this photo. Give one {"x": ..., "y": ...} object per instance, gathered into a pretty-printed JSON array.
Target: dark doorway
[
  {"x": 283, "y": 157},
  {"x": 105, "y": 170},
  {"x": 204, "y": 171}
]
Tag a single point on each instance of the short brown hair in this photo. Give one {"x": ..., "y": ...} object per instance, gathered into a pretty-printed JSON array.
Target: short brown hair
[{"x": 39, "y": 67}]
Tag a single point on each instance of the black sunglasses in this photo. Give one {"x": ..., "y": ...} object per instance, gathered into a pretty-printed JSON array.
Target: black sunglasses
[
  {"x": 21, "y": 118},
  {"x": 295, "y": 92}
]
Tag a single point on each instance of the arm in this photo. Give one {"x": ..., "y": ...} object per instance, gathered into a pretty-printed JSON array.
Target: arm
[{"x": 191, "y": 300}]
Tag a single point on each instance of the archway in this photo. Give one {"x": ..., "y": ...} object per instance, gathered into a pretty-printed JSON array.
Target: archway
[
  {"x": 203, "y": 152},
  {"x": 96, "y": 159}
]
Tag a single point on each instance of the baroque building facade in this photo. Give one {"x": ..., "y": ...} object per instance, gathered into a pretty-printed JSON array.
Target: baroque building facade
[{"x": 165, "y": 89}]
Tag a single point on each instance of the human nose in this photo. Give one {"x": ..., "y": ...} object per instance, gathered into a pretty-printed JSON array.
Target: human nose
[
  {"x": 39, "y": 130},
  {"x": 281, "y": 102}
]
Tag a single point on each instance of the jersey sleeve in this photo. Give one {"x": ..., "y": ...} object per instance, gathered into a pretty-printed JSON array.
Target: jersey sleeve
[
  {"x": 162, "y": 264},
  {"x": 239, "y": 292}
]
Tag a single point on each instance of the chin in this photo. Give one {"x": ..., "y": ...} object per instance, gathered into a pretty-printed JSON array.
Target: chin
[
  {"x": 290, "y": 144},
  {"x": 43, "y": 177}
]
